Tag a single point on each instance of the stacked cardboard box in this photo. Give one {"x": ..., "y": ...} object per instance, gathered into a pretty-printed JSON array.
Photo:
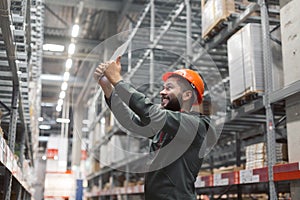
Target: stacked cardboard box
[
  {"x": 245, "y": 61},
  {"x": 215, "y": 12},
  {"x": 290, "y": 29},
  {"x": 256, "y": 155},
  {"x": 281, "y": 152}
]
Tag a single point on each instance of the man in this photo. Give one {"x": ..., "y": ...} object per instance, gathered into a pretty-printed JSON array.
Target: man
[{"x": 177, "y": 134}]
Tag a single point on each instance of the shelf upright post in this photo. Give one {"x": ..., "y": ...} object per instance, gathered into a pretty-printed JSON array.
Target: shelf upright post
[
  {"x": 130, "y": 50},
  {"x": 13, "y": 118},
  {"x": 19, "y": 193},
  {"x": 189, "y": 52},
  {"x": 238, "y": 160},
  {"x": 12, "y": 135},
  {"x": 267, "y": 61},
  {"x": 152, "y": 34}
]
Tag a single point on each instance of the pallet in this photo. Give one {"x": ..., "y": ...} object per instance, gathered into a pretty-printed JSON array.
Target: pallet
[
  {"x": 214, "y": 29},
  {"x": 246, "y": 98},
  {"x": 228, "y": 7}
]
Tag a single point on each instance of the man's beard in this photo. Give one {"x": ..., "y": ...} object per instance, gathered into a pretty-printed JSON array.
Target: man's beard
[{"x": 173, "y": 104}]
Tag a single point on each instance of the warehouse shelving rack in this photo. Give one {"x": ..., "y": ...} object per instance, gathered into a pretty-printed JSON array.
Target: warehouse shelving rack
[
  {"x": 242, "y": 124},
  {"x": 15, "y": 77}
]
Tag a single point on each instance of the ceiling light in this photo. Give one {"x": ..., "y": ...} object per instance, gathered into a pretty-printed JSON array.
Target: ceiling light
[
  {"x": 62, "y": 94},
  {"x": 44, "y": 127},
  {"x": 66, "y": 76},
  {"x": 60, "y": 102},
  {"x": 58, "y": 108},
  {"x": 71, "y": 49},
  {"x": 69, "y": 63},
  {"x": 64, "y": 86},
  {"x": 85, "y": 129},
  {"x": 62, "y": 120},
  {"x": 44, "y": 157},
  {"x": 53, "y": 47},
  {"x": 40, "y": 119},
  {"x": 75, "y": 30},
  {"x": 85, "y": 121}
]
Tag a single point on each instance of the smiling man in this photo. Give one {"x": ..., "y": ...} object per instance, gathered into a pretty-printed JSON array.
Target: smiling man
[{"x": 177, "y": 134}]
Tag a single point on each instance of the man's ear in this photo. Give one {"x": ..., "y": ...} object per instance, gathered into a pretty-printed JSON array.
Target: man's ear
[{"x": 187, "y": 95}]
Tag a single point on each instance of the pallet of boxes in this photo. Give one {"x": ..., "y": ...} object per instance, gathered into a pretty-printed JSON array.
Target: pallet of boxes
[
  {"x": 245, "y": 63},
  {"x": 214, "y": 13},
  {"x": 256, "y": 155}
]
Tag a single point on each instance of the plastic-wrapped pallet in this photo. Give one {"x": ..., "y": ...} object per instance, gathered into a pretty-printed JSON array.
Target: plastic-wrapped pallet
[
  {"x": 245, "y": 61},
  {"x": 213, "y": 13}
]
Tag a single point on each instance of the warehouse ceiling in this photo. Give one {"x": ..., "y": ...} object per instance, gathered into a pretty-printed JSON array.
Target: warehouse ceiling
[{"x": 97, "y": 19}]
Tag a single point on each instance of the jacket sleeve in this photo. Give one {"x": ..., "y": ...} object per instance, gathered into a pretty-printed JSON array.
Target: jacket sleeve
[
  {"x": 127, "y": 118},
  {"x": 153, "y": 117}
]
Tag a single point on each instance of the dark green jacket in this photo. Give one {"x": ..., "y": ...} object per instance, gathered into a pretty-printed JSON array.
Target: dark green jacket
[{"x": 177, "y": 138}]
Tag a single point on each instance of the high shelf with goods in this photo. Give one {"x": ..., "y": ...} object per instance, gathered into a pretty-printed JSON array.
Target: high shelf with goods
[
  {"x": 16, "y": 110},
  {"x": 258, "y": 118}
]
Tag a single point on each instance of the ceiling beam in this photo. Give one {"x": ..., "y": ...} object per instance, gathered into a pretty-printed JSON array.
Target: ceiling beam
[
  {"x": 76, "y": 56},
  {"x": 56, "y": 80},
  {"x": 105, "y": 5},
  {"x": 80, "y": 42}
]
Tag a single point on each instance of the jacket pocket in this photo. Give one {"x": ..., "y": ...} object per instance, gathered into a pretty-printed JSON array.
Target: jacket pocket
[{"x": 159, "y": 186}]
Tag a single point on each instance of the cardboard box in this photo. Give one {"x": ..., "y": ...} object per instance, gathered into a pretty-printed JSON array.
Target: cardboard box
[
  {"x": 213, "y": 13},
  {"x": 290, "y": 29},
  {"x": 245, "y": 62}
]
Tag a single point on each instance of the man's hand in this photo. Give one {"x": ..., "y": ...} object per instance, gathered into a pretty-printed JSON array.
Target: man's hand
[
  {"x": 99, "y": 72},
  {"x": 106, "y": 86},
  {"x": 113, "y": 71},
  {"x": 102, "y": 80}
]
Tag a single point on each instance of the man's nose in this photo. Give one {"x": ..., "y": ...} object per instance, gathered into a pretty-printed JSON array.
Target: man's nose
[{"x": 162, "y": 92}]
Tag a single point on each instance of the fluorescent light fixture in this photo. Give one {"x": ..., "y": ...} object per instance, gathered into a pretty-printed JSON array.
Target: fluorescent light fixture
[
  {"x": 64, "y": 86},
  {"x": 53, "y": 47},
  {"x": 69, "y": 63},
  {"x": 58, "y": 108},
  {"x": 43, "y": 138},
  {"x": 60, "y": 102},
  {"x": 66, "y": 76},
  {"x": 85, "y": 129},
  {"x": 62, "y": 94},
  {"x": 85, "y": 121},
  {"x": 75, "y": 30},
  {"x": 62, "y": 120},
  {"x": 40, "y": 119},
  {"x": 47, "y": 104},
  {"x": 44, "y": 127},
  {"x": 71, "y": 49}
]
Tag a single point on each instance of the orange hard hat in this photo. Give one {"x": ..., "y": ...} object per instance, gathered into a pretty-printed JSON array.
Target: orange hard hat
[{"x": 191, "y": 76}]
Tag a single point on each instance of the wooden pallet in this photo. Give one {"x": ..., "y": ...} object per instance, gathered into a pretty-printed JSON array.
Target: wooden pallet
[
  {"x": 214, "y": 29},
  {"x": 228, "y": 7},
  {"x": 246, "y": 98}
]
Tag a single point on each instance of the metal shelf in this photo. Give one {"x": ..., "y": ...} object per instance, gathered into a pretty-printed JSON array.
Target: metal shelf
[
  {"x": 9, "y": 163},
  {"x": 14, "y": 91},
  {"x": 248, "y": 117},
  {"x": 282, "y": 172}
]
